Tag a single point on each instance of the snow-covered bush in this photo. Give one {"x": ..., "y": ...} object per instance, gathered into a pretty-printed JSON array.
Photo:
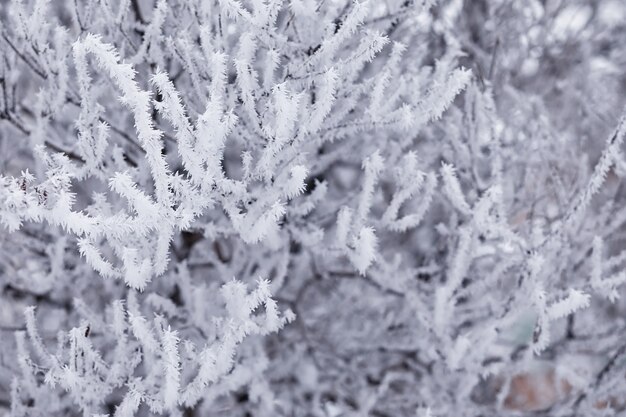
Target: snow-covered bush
[{"x": 312, "y": 207}]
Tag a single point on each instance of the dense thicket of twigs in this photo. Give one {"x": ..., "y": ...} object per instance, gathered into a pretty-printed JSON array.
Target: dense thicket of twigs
[{"x": 312, "y": 207}]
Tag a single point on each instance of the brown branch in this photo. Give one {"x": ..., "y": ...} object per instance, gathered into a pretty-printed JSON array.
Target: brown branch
[{"x": 23, "y": 57}]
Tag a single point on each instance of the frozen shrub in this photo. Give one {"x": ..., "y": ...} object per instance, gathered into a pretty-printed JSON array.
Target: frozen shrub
[{"x": 312, "y": 207}]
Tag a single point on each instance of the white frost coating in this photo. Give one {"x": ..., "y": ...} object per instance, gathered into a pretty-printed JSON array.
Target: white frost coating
[{"x": 450, "y": 238}]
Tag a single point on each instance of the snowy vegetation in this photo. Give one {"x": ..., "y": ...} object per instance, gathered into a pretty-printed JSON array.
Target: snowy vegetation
[{"x": 312, "y": 208}]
